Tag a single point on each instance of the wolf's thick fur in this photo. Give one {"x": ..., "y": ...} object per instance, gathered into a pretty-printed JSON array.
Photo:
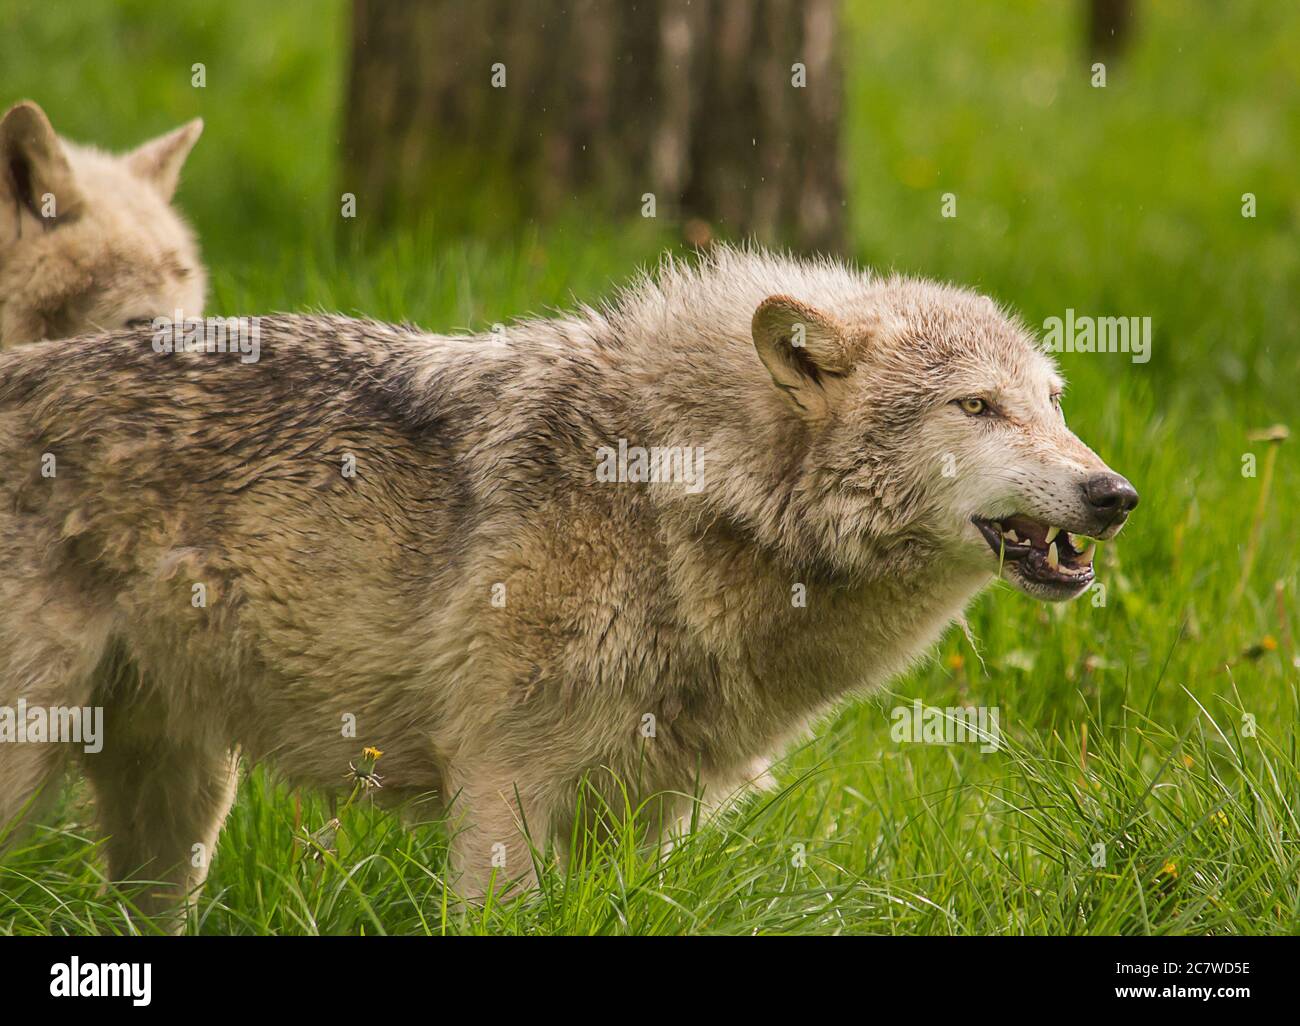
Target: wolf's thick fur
[
  {"x": 89, "y": 241},
  {"x": 498, "y": 620}
]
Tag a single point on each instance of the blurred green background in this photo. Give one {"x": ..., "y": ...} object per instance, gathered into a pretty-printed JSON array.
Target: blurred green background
[
  {"x": 1112, "y": 199},
  {"x": 1125, "y": 200}
]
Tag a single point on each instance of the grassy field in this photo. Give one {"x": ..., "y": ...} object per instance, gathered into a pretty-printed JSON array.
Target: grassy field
[{"x": 1160, "y": 725}]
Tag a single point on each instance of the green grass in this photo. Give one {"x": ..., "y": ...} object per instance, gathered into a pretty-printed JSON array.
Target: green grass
[{"x": 1123, "y": 200}]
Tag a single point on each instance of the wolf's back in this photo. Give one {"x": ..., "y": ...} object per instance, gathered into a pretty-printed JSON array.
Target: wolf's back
[
  {"x": 99, "y": 383},
  {"x": 121, "y": 451}
]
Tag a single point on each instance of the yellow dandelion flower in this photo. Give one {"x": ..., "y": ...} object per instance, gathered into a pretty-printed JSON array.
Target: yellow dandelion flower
[{"x": 363, "y": 772}]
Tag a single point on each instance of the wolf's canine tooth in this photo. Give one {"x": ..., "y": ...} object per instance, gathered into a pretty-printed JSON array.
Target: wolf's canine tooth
[
  {"x": 1053, "y": 559},
  {"x": 1052, "y": 532}
]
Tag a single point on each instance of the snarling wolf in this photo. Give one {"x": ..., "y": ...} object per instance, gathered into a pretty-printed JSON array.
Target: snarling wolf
[
  {"x": 89, "y": 241},
  {"x": 412, "y": 534}
]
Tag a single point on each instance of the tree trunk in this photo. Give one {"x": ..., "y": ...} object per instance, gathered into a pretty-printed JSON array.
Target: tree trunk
[
  {"x": 1110, "y": 24},
  {"x": 726, "y": 111}
]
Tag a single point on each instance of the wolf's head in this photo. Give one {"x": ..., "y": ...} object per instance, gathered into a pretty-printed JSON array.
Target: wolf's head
[
  {"x": 89, "y": 241},
  {"x": 934, "y": 434}
]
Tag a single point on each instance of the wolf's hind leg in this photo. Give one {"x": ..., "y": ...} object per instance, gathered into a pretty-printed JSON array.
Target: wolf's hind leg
[
  {"x": 41, "y": 669},
  {"x": 30, "y": 771},
  {"x": 162, "y": 787}
]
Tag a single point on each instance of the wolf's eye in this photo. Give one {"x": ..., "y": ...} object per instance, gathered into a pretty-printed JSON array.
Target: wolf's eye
[{"x": 974, "y": 406}]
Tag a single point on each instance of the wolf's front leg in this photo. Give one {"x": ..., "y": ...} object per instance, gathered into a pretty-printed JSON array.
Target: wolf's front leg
[{"x": 498, "y": 826}]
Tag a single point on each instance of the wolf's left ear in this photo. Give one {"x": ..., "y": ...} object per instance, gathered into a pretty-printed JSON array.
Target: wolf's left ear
[
  {"x": 159, "y": 160},
  {"x": 34, "y": 170},
  {"x": 804, "y": 350}
]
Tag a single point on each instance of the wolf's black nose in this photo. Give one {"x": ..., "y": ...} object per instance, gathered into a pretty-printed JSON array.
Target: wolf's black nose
[{"x": 1110, "y": 495}]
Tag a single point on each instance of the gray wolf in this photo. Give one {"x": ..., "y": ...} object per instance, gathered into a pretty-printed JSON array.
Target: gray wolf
[
  {"x": 89, "y": 241},
  {"x": 464, "y": 548}
]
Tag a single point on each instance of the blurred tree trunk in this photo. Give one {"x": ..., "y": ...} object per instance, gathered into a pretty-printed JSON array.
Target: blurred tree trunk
[
  {"x": 727, "y": 111},
  {"x": 1110, "y": 24}
]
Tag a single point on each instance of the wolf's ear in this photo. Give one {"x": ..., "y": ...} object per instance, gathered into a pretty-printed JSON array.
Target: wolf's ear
[
  {"x": 33, "y": 167},
  {"x": 159, "y": 160},
  {"x": 803, "y": 349}
]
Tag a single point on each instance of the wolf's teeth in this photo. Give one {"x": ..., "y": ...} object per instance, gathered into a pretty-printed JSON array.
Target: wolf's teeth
[
  {"x": 1053, "y": 560},
  {"x": 1011, "y": 536},
  {"x": 1052, "y": 532},
  {"x": 1073, "y": 540},
  {"x": 1086, "y": 557}
]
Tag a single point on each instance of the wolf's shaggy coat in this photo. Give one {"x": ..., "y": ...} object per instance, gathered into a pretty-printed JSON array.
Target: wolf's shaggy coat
[{"x": 491, "y": 616}]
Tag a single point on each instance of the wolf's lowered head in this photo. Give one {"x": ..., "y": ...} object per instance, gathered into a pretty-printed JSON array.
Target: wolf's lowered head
[
  {"x": 936, "y": 438},
  {"x": 89, "y": 241}
]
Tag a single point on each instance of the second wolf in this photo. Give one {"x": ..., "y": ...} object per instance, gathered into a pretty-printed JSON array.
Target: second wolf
[
  {"x": 377, "y": 536},
  {"x": 89, "y": 241}
]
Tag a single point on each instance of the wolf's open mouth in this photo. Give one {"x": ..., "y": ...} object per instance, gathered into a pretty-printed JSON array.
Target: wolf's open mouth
[{"x": 1042, "y": 555}]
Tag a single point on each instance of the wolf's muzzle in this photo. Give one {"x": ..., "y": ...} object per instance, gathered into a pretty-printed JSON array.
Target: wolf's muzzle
[{"x": 1110, "y": 497}]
